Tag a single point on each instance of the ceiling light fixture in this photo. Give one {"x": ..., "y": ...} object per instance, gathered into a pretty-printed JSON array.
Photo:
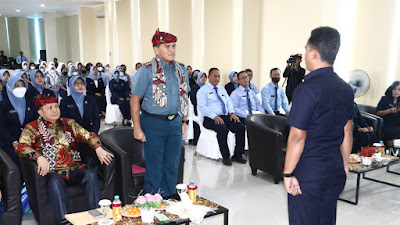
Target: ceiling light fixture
[
  {"x": 42, "y": 5},
  {"x": 18, "y": 10}
]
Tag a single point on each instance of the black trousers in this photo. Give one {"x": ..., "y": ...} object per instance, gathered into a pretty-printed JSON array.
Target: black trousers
[
  {"x": 222, "y": 134},
  {"x": 196, "y": 129},
  {"x": 57, "y": 189},
  {"x": 125, "y": 108}
]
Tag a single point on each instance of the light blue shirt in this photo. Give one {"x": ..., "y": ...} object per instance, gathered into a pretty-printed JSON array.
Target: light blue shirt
[
  {"x": 20, "y": 59},
  {"x": 142, "y": 86},
  {"x": 268, "y": 98},
  {"x": 239, "y": 102},
  {"x": 254, "y": 88},
  {"x": 209, "y": 103}
]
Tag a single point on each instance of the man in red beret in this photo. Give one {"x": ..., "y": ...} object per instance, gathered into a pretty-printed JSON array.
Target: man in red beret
[
  {"x": 163, "y": 86},
  {"x": 52, "y": 142}
]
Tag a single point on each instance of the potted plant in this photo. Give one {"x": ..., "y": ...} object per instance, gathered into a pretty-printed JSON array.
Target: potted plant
[
  {"x": 366, "y": 155},
  {"x": 148, "y": 204}
]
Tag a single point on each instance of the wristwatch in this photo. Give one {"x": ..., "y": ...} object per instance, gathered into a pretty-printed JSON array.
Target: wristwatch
[
  {"x": 185, "y": 121},
  {"x": 287, "y": 174}
]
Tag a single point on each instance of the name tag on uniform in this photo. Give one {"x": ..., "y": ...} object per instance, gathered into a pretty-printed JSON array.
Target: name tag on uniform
[
  {"x": 13, "y": 111},
  {"x": 273, "y": 96},
  {"x": 211, "y": 93},
  {"x": 244, "y": 96},
  {"x": 70, "y": 106}
]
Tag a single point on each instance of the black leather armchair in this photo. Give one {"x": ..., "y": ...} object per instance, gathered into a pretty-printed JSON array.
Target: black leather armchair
[
  {"x": 10, "y": 189},
  {"x": 127, "y": 152},
  {"x": 267, "y": 137},
  {"x": 37, "y": 187}
]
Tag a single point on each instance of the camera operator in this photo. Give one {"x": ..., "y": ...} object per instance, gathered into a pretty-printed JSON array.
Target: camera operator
[{"x": 294, "y": 74}]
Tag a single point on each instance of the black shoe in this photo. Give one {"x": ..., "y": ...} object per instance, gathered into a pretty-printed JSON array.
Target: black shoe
[
  {"x": 65, "y": 222},
  {"x": 239, "y": 159},
  {"x": 227, "y": 162}
]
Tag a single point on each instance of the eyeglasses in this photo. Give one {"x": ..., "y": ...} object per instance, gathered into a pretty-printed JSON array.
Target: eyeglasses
[
  {"x": 79, "y": 84},
  {"x": 246, "y": 77}
]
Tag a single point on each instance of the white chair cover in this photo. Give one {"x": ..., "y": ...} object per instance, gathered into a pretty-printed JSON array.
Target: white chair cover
[
  {"x": 113, "y": 113},
  {"x": 190, "y": 132},
  {"x": 208, "y": 142}
]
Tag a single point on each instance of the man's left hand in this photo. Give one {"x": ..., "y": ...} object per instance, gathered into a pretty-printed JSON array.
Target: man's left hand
[
  {"x": 234, "y": 118},
  {"x": 184, "y": 129},
  {"x": 292, "y": 186},
  {"x": 104, "y": 156}
]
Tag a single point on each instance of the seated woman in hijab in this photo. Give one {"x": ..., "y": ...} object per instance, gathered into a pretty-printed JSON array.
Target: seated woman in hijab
[
  {"x": 4, "y": 75},
  {"x": 15, "y": 112},
  {"x": 43, "y": 69},
  {"x": 51, "y": 80},
  {"x": 120, "y": 91},
  {"x": 81, "y": 108},
  {"x": 60, "y": 66},
  {"x": 32, "y": 68},
  {"x": 1, "y": 91},
  {"x": 24, "y": 66},
  {"x": 388, "y": 109},
  {"x": 24, "y": 75},
  {"x": 193, "y": 78},
  {"x": 62, "y": 81},
  {"x": 96, "y": 87},
  {"x": 37, "y": 86},
  {"x": 231, "y": 86},
  {"x": 201, "y": 80}
]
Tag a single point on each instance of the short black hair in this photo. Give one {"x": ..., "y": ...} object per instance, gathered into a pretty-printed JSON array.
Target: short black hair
[
  {"x": 326, "y": 40},
  {"x": 138, "y": 64},
  {"x": 188, "y": 67},
  {"x": 273, "y": 69},
  {"x": 212, "y": 69},
  {"x": 248, "y": 70},
  {"x": 195, "y": 71},
  {"x": 238, "y": 74},
  {"x": 388, "y": 92}
]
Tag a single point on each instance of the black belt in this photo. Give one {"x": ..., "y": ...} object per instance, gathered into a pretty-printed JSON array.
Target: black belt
[{"x": 167, "y": 117}]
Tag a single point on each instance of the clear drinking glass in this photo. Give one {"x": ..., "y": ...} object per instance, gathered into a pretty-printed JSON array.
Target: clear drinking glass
[{"x": 104, "y": 206}]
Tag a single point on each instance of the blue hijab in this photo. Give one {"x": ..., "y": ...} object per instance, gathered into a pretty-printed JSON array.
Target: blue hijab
[
  {"x": 38, "y": 87},
  {"x": 78, "y": 97},
  {"x": 19, "y": 104},
  {"x": 115, "y": 76},
  {"x": 198, "y": 79},
  {"x": 231, "y": 78},
  {"x": 98, "y": 76},
  {"x": 121, "y": 77},
  {"x": 1, "y": 77}
]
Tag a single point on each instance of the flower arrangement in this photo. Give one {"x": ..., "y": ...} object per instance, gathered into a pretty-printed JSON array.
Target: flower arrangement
[
  {"x": 148, "y": 201},
  {"x": 367, "y": 151}
]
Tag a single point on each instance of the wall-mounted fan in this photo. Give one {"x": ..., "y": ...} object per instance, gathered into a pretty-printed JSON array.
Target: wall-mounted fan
[{"x": 360, "y": 80}]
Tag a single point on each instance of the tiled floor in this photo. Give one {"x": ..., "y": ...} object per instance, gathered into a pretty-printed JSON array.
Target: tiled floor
[{"x": 257, "y": 200}]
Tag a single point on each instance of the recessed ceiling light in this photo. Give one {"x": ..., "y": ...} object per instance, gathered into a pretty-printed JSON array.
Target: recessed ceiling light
[
  {"x": 18, "y": 10},
  {"x": 42, "y": 5}
]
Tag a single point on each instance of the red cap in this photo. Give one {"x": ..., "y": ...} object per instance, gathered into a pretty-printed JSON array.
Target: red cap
[
  {"x": 163, "y": 37},
  {"x": 42, "y": 100}
]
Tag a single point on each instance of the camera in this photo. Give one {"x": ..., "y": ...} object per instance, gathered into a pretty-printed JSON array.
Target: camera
[{"x": 292, "y": 58}]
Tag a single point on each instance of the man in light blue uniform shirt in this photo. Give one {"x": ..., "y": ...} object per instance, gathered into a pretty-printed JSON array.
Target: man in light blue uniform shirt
[
  {"x": 219, "y": 115},
  {"x": 251, "y": 86},
  {"x": 273, "y": 95},
  {"x": 21, "y": 58},
  {"x": 244, "y": 100},
  {"x": 163, "y": 86}
]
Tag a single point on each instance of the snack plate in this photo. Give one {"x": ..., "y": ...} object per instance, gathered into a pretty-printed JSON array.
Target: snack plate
[{"x": 358, "y": 159}]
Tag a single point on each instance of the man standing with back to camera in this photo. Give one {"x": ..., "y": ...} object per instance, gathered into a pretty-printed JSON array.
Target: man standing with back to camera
[
  {"x": 320, "y": 138},
  {"x": 163, "y": 85}
]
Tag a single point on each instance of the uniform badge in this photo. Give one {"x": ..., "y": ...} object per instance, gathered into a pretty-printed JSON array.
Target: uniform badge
[
  {"x": 211, "y": 93},
  {"x": 171, "y": 117},
  {"x": 29, "y": 109},
  {"x": 86, "y": 102}
]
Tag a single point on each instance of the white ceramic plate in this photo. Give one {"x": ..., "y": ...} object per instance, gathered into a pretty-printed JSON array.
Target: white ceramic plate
[{"x": 358, "y": 159}]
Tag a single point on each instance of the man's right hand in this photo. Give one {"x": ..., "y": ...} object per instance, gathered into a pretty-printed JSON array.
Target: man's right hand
[
  {"x": 218, "y": 120},
  {"x": 43, "y": 166},
  {"x": 139, "y": 135}
]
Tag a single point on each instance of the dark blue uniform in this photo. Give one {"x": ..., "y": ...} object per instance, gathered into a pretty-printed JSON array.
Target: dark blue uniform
[
  {"x": 322, "y": 106},
  {"x": 91, "y": 90},
  {"x": 391, "y": 121},
  {"x": 361, "y": 139},
  {"x": 90, "y": 120},
  {"x": 120, "y": 89},
  {"x": 11, "y": 127},
  {"x": 32, "y": 92}
]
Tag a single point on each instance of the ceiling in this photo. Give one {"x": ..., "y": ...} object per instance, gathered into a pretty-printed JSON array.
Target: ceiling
[{"x": 33, "y": 8}]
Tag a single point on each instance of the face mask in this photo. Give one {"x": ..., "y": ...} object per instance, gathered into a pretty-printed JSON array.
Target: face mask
[
  {"x": 52, "y": 72},
  {"x": 25, "y": 67},
  {"x": 122, "y": 73},
  {"x": 107, "y": 68},
  {"x": 83, "y": 71},
  {"x": 19, "y": 92},
  {"x": 42, "y": 70},
  {"x": 276, "y": 79},
  {"x": 99, "y": 69},
  {"x": 74, "y": 73},
  {"x": 32, "y": 67},
  {"x": 65, "y": 73},
  {"x": 117, "y": 76}
]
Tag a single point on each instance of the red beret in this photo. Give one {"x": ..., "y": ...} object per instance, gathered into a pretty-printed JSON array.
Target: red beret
[
  {"x": 163, "y": 37},
  {"x": 42, "y": 100}
]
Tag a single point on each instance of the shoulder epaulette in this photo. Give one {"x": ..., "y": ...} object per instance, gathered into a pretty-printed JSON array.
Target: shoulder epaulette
[
  {"x": 148, "y": 64},
  {"x": 181, "y": 64}
]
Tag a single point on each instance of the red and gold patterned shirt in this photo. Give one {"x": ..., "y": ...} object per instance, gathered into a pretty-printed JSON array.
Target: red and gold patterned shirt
[{"x": 30, "y": 144}]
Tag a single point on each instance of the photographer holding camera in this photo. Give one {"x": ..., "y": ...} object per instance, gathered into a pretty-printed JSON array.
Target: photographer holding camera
[{"x": 294, "y": 74}]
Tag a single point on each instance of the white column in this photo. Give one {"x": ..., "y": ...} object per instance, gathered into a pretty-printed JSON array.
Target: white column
[
  {"x": 24, "y": 37},
  {"x": 3, "y": 36},
  {"x": 237, "y": 38},
  {"x": 135, "y": 29},
  {"x": 198, "y": 34},
  {"x": 50, "y": 33},
  {"x": 163, "y": 15}
]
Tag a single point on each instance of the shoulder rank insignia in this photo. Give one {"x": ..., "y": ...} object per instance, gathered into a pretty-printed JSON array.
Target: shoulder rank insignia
[
  {"x": 148, "y": 64},
  {"x": 181, "y": 64}
]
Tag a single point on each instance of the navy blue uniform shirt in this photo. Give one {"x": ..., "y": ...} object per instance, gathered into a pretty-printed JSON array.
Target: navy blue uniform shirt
[{"x": 322, "y": 106}]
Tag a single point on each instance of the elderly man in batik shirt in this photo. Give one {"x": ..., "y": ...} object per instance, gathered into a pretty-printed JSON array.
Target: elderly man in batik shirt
[{"x": 53, "y": 143}]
